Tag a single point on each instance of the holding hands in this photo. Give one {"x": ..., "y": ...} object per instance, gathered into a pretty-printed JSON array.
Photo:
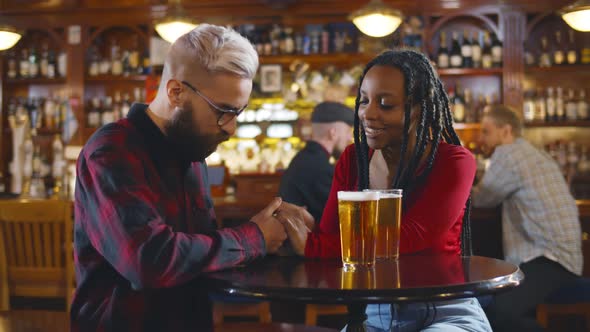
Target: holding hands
[{"x": 280, "y": 220}]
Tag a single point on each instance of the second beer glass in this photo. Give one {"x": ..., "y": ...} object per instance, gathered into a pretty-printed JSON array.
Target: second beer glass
[
  {"x": 357, "y": 213},
  {"x": 388, "y": 223}
]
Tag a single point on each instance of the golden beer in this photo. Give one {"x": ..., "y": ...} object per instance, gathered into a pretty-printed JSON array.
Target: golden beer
[
  {"x": 357, "y": 212},
  {"x": 388, "y": 225}
]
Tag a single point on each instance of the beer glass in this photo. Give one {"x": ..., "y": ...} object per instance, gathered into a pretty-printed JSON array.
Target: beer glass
[
  {"x": 357, "y": 213},
  {"x": 388, "y": 223}
]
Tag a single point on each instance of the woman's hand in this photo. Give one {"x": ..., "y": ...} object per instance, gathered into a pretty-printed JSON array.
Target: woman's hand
[{"x": 295, "y": 219}]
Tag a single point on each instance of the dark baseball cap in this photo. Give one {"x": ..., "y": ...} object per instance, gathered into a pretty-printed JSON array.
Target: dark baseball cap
[{"x": 330, "y": 111}]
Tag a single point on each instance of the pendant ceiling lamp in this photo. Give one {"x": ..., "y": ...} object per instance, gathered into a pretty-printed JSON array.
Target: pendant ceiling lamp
[
  {"x": 8, "y": 37},
  {"x": 376, "y": 19},
  {"x": 577, "y": 15},
  {"x": 175, "y": 24}
]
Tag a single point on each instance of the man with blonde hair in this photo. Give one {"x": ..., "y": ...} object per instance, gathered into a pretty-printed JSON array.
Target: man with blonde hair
[
  {"x": 145, "y": 225},
  {"x": 540, "y": 226}
]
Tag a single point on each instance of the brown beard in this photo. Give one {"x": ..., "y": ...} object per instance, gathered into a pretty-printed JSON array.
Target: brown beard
[{"x": 187, "y": 138}]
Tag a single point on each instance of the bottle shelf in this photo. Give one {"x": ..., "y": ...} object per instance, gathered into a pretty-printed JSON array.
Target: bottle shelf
[
  {"x": 469, "y": 71},
  {"x": 48, "y": 131},
  {"x": 36, "y": 80},
  {"x": 466, "y": 126},
  {"x": 117, "y": 78},
  {"x": 560, "y": 69},
  {"x": 336, "y": 59},
  {"x": 543, "y": 124}
]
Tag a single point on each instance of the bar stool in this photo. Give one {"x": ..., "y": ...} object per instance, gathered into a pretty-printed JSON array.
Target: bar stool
[
  {"x": 312, "y": 311},
  {"x": 573, "y": 299}
]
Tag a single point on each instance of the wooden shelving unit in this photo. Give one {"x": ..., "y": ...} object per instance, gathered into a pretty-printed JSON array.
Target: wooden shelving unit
[
  {"x": 470, "y": 72},
  {"x": 319, "y": 60},
  {"x": 32, "y": 81},
  {"x": 559, "y": 69},
  {"x": 116, "y": 78},
  {"x": 579, "y": 123}
]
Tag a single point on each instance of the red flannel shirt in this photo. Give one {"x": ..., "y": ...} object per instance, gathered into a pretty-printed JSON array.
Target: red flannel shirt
[{"x": 145, "y": 227}]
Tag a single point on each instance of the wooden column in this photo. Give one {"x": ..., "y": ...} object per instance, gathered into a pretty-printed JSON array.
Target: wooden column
[{"x": 514, "y": 26}]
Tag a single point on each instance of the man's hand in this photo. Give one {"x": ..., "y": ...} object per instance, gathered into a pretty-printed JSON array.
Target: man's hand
[
  {"x": 272, "y": 230},
  {"x": 295, "y": 219}
]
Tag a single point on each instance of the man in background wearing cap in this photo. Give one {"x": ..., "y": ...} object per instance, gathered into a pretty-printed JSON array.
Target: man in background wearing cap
[{"x": 308, "y": 179}]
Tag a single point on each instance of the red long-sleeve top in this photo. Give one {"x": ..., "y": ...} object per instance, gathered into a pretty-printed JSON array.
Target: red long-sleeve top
[{"x": 431, "y": 218}]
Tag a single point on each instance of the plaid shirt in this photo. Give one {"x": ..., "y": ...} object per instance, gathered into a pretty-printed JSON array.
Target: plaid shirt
[
  {"x": 145, "y": 227},
  {"x": 539, "y": 215}
]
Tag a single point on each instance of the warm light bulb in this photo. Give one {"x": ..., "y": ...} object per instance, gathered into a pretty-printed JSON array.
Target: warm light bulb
[
  {"x": 377, "y": 25},
  {"x": 172, "y": 30},
  {"x": 578, "y": 20},
  {"x": 8, "y": 39}
]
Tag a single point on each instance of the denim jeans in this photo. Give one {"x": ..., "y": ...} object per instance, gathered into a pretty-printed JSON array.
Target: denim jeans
[{"x": 448, "y": 316}]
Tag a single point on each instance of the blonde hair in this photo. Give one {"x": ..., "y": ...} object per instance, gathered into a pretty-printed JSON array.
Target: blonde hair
[
  {"x": 220, "y": 49},
  {"x": 503, "y": 115}
]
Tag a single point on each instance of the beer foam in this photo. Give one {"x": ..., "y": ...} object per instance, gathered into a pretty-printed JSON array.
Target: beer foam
[
  {"x": 389, "y": 195},
  {"x": 358, "y": 196}
]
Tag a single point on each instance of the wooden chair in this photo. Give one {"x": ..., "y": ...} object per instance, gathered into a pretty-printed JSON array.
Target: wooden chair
[
  {"x": 573, "y": 299},
  {"x": 36, "y": 258},
  {"x": 312, "y": 311},
  {"x": 228, "y": 306}
]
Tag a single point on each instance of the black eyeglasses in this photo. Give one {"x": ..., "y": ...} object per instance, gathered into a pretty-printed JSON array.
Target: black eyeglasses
[{"x": 226, "y": 114}]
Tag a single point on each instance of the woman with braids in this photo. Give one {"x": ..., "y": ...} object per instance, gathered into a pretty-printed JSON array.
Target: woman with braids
[{"x": 404, "y": 139}]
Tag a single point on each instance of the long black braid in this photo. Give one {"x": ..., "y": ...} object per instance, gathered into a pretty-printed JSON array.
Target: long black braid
[{"x": 424, "y": 89}]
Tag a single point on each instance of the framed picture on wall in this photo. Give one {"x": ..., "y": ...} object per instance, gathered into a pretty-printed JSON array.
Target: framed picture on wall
[{"x": 270, "y": 78}]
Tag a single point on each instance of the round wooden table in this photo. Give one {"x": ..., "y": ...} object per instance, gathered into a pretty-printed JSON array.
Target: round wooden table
[{"x": 412, "y": 278}]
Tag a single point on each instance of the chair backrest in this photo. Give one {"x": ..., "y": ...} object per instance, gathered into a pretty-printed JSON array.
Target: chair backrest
[{"x": 36, "y": 237}]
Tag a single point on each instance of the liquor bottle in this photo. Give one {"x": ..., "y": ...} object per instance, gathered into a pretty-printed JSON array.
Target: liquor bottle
[
  {"x": 134, "y": 57},
  {"x": 559, "y": 105},
  {"x": 125, "y": 63},
  {"x": 33, "y": 63},
  {"x": 551, "y": 106},
  {"x": 528, "y": 107},
  {"x": 558, "y": 56},
  {"x": 49, "y": 109},
  {"x": 583, "y": 112},
  {"x": 540, "y": 106},
  {"x": 116, "y": 58},
  {"x": 23, "y": 68},
  {"x": 442, "y": 60},
  {"x": 126, "y": 105},
  {"x": 289, "y": 41},
  {"x": 470, "y": 112},
  {"x": 545, "y": 58},
  {"x": 37, "y": 189},
  {"x": 94, "y": 66},
  {"x": 456, "y": 60},
  {"x": 486, "y": 57},
  {"x": 572, "y": 53},
  {"x": 44, "y": 61},
  {"x": 585, "y": 54},
  {"x": 476, "y": 51},
  {"x": 62, "y": 64},
  {"x": 497, "y": 51},
  {"x": 51, "y": 64},
  {"x": 107, "y": 115},
  {"x": 459, "y": 105},
  {"x": 12, "y": 70},
  {"x": 571, "y": 107},
  {"x": 529, "y": 58},
  {"x": 325, "y": 42},
  {"x": 94, "y": 113},
  {"x": 466, "y": 51}
]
